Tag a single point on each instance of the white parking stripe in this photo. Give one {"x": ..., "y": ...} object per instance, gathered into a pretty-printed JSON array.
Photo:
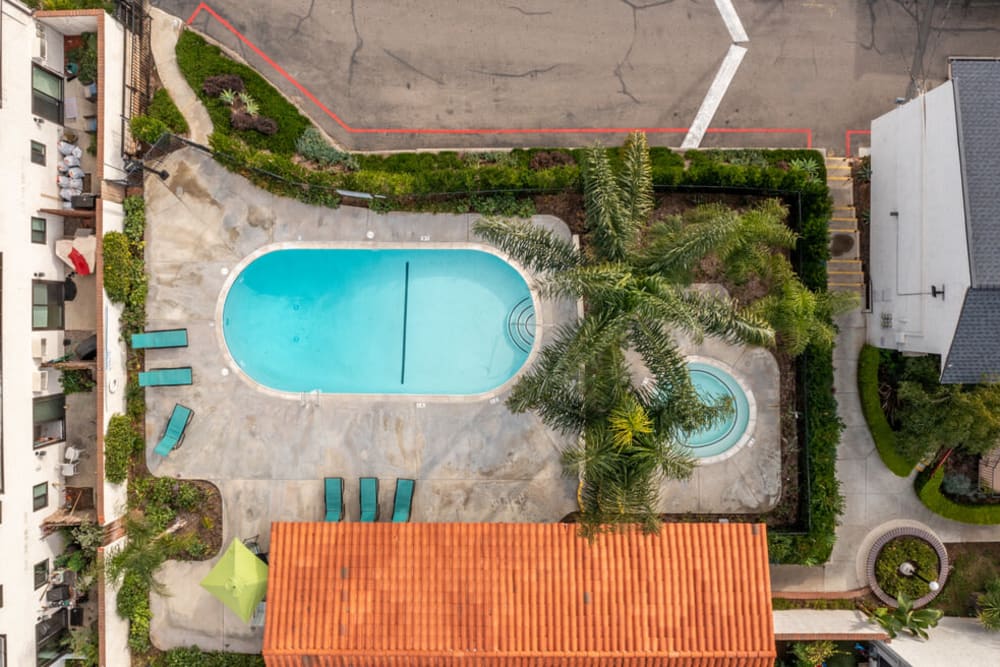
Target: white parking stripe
[
  {"x": 732, "y": 19},
  {"x": 716, "y": 92}
]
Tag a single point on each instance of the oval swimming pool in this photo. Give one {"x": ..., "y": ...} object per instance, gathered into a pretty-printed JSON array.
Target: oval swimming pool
[
  {"x": 712, "y": 383},
  {"x": 385, "y": 321}
]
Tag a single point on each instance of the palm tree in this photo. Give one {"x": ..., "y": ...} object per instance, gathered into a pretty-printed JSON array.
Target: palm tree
[
  {"x": 582, "y": 378},
  {"x": 905, "y": 617}
]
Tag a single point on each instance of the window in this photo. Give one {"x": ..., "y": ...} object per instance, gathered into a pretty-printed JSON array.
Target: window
[
  {"x": 38, "y": 153},
  {"x": 49, "y": 418},
  {"x": 41, "y": 573},
  {"x": 38, "y": 230},
  {"x": 40, "y": 499},
  {"x": 46, "y": 305},
  {"x": 3, "y": 650},
  {"x": 46, "y": 94}
]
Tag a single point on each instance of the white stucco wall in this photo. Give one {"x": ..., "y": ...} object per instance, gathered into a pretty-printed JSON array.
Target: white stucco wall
[
  {"x": 916, "y": 173},
  {"x": 116, "y": 651},
  {"x": 25, "y": 187}
]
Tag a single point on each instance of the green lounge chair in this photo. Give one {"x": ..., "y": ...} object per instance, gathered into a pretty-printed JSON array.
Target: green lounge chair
[
  {"x": 369, "y": 499},
  {"x": 173, "y": 434},
  {"x": 165, "y": 377},
  {"x": 403, "y": 501},
  {"x": 334, "y": 491},
  {"x": 160, "y": 339}
]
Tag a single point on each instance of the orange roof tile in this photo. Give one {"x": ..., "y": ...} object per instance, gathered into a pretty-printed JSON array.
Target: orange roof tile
[{"x": 502, "y": 594}]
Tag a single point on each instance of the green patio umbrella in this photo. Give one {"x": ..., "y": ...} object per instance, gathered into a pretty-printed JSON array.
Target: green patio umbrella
[{"x": 239, "y": 580}]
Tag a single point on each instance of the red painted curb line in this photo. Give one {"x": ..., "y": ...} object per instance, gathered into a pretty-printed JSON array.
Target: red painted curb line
[{"x": 494, "y": 131}]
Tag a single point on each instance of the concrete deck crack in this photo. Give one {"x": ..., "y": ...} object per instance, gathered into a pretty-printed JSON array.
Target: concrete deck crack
[
  {"x": 408, "y": 66},
  {"x": 359, "y": 42},
  {"x": 525, "y": 12},
  {"x": 302, "y": 19},
  {"x": 517, "y": 75}
]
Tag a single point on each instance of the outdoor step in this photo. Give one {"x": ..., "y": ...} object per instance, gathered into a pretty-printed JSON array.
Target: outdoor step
[
  {"x": 843, "y": 225},
  {"x": 847, "y": 210},
  {"x": 857, "y": 288},
  {"x": 843, "y": 265},
  {"x": 845, "y": 279},
  {"x": 842, "y": 196}
]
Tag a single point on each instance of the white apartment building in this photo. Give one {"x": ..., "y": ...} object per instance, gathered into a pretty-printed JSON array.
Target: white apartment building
[{"x": 51, "y": 442}]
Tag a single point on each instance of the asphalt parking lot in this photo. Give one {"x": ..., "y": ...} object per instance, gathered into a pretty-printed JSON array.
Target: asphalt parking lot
[{"x": 447, "y": 73}]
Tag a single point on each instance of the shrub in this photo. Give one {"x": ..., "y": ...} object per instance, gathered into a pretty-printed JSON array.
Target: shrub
[
  {"x": 132, "y": 595},
  {"x": 214, "y": 86},
  {"x": 119, "y": 443},
  {"x": 118, "y": 267},
  {"x": 147, "y": 129},
  {"x": 162, "y": 108},
  {"x": 266, "y": 126},
  {"x": 928, "y": 486},
  {"x": 988, "y": 606},
  {"x": 188, "y": 497},
  {"x": 871, "y": 406},
  {"x": 135, "y": 220},
  {"x": 242, "y": 121},
  {"x": 76, "y": 380},
  {"x": 195, "y": 657},
  {"x": 312, "y": 146},
  {"x": 895, "y": 553},
  {"x": 138, "y": 628},
  {"x": 198, "y": 61}
]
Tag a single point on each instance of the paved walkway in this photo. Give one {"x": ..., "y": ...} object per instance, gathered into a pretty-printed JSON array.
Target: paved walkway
[
  {"x": 166, "y": 29},
  {"x": 876, "y": 500}
]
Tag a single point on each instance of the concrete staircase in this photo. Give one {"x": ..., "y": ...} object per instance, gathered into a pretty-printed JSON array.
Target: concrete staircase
[{"x": 843, "y": 270}]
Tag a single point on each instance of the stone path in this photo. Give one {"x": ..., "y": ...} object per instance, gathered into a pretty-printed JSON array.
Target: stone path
[
  {"x": 876, "y": 500},
  {"x": 166, "y": 29}
]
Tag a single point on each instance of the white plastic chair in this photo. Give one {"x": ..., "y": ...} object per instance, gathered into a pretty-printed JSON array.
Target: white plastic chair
[{"x": 72, "y": 454}]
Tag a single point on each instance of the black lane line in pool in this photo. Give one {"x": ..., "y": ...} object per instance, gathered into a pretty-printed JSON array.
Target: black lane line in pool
[{"x": 406, "y": 302}]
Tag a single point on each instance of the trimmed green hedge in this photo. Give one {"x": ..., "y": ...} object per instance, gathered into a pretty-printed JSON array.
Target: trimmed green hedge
[
  {"x": 119, "y": 270},
  {"x": 871, "y": 406},
  {"x": 119, "y": 443},
  {"x": 928, "y": 487},
  {"x": 199, "y": 60},
  {"x": 195, "y": 657}
]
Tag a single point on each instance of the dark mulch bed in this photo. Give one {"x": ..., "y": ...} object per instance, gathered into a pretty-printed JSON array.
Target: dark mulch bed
[{"x": 862, "y": 207}]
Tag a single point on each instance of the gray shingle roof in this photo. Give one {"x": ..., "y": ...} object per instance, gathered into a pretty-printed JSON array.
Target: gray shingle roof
[
  {"x": 975, "y": 349},
  {"x": 977, "y": 103}
]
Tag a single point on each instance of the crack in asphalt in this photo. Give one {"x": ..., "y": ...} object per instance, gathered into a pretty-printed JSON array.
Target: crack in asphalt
[
  {"x": 525, "y": 12},
  {"x": 358, "y": 43},
  {"x": 308, "y": 15},
  {"x": 407, "y": 65},
  {"x": 509, "y": 75},
  {"x": 619, "y": 70}
]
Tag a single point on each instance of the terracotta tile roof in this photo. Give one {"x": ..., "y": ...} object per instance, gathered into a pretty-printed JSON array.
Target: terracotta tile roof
[{"x": 503, "y": 594}]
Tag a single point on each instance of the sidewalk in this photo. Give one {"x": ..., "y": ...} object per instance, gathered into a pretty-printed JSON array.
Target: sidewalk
[{"x": 165, "y": 31}]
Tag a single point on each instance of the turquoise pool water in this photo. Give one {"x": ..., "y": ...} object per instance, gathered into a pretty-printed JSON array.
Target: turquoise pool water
[
  {"x": 379, "y": 321},
  {"x": 712, "y": 383}
]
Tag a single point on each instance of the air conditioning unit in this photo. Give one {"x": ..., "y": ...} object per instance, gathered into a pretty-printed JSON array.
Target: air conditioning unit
[
  {"x": 38, "y": 348},
  {"x": 58, "y": 578},
  {"x": 39, "y": 381}
]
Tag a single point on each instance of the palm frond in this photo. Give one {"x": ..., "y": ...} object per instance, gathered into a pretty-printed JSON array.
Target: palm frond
[
  {"x": 536, "y": 248},
  {"x": 597, "y": 283},
  {"x": 723, "y": 318},
  {"x": 603, "y": 208},
  {"x": 636, "y": 181},
  {"x": 675, "y": 253}
]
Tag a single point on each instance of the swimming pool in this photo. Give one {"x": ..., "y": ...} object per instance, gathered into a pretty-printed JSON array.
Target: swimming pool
[
  {"x": 379, "y": 321},
  {"x": 712, "y": 382}
]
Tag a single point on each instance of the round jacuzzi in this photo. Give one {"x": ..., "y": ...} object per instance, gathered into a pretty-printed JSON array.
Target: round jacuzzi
[{"x": 721, "y": 439}]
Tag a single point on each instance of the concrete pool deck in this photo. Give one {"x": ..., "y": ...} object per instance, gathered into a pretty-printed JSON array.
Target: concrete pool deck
[{"x": 473, "y": 460}]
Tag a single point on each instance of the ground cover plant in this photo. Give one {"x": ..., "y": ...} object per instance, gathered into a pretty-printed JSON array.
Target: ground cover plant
[
  {"x": 975, "y": 571},
  {"x": 162, "y": 108},
  {"x": 894, "y": 554}
]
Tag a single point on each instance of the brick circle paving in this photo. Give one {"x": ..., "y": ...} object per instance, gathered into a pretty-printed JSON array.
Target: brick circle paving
[{"x": 887, "y": 537}]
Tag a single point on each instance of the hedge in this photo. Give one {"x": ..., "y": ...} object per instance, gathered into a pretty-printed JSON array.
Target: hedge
[
  {"x": 928, "y": 487},
  {"x": 198, "y": 60},
  {"x": 119, "y": 443},
  {"x": 871, "y": 406},
  {"x": 119, "y": 269},
  {"x": 194, "y": 657}
]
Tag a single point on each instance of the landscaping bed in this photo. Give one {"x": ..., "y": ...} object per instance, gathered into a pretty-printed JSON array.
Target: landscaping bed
[{"x": 974, "y": 566}]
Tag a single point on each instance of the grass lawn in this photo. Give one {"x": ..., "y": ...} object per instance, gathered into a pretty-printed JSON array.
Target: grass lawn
[{"x": 973, "y": 565}]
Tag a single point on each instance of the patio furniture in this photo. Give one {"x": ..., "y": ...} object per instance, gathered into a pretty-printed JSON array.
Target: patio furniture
[
  {"x": 72, "y": 454},
  {"x": 173, "y": 434},
  {"x": 165, "y": 377},
  {"x": 334, "y": 492},
  {"x": 162, "y": 338},
  {"x": 403, "y": 501},
  {"x": 369, "y": 499}
]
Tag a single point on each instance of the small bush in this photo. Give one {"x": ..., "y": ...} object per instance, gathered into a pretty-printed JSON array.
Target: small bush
[
  {"x": 195, "y": 657},
  {"x": 135, "y": 220},
  {"x": 77, "y": 380},
  {"x": 188, "y": 497},
  {"x": 119, "y": 270},
  {"x": 988, "y": 606},
  {"x": 871, "y": 406},
  {"x": 266, "y": 126},
  {"x": 119, "y": 443},
  {"x": 214, "y": 86},
  {"x": 241, "y": 120},
  {"x": 162, "y": 108},
  {"x": 312, "y": 146},
  {"x": 147, "y": 129},
  {"x": 138, "y": 629},
  {"x": 132, "y": 595}
]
